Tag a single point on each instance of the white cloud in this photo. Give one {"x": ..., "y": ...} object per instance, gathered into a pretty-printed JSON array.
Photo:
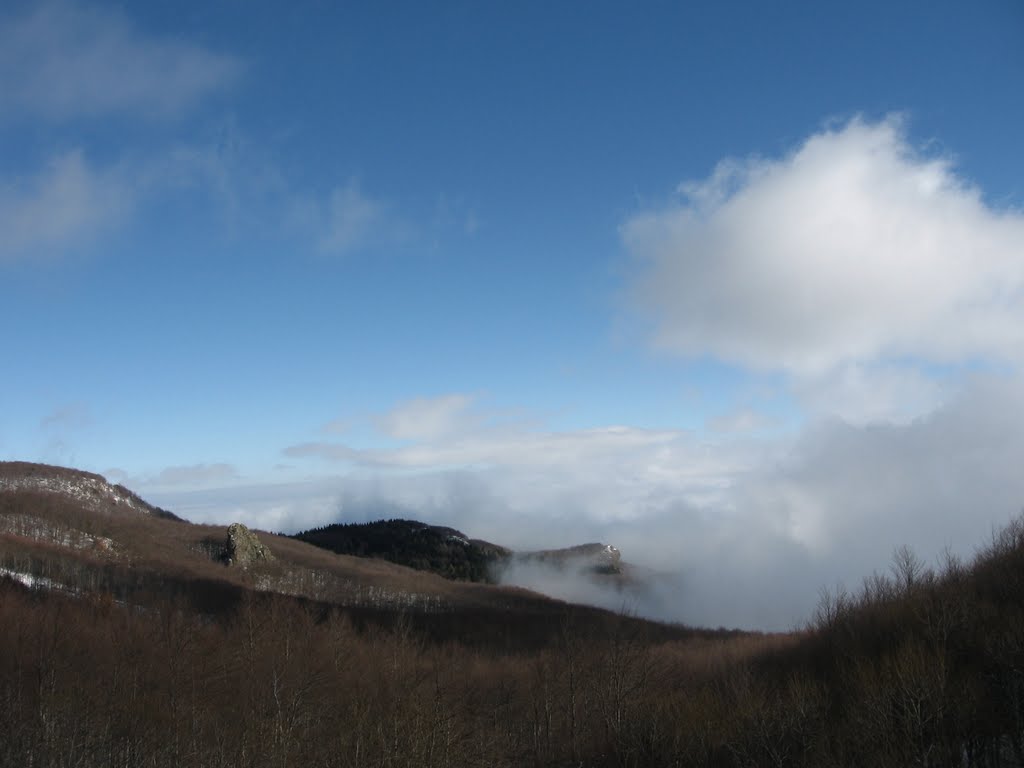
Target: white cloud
[
  {"x": 866, "y": 394},
  {"x": 67, "y": 203},
  {"x": 855, "y": 249},
  {"x": 666, "y": 452},
  {"x": 428, "y": 418},
  {"x": 740, "y": 420},
  {"x": 452, "y": 453},
  {"x": 63, "y": 60},
  {"x": 873, "y": 278}
]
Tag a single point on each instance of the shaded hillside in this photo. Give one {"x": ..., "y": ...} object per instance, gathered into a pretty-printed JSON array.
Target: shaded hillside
[{"x": 444, "y": 551}]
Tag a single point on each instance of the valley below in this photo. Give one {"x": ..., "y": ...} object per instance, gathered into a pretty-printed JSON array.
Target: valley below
[{"x": 133, "y": 637}]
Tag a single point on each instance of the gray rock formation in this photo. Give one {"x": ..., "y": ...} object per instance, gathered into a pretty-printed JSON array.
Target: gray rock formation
[{"x": 243, "y": 548}]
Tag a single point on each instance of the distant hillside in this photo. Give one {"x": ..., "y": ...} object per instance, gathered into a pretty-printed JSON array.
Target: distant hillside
[
  {"x": 92, "y": 491},
  {"x": 134, "y": 637},
  {"x": 444, "y": 551},
  {"x": 601, "y": 559},
  {"x": 453, "y": 555},
  {"x": 74, "y": 533}
]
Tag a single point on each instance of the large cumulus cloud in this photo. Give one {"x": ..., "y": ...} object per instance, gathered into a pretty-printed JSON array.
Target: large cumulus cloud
[{"x": 856, "y": 247}]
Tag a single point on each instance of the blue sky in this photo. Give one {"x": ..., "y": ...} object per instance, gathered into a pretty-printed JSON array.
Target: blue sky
[{"x": 676, "y": 275}]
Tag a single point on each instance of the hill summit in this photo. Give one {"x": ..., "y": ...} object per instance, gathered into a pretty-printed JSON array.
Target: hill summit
[
  {"x": 452, "y": 554},
  {"x": 444, "y": 551},
  {"x": 91, "y": 491}
]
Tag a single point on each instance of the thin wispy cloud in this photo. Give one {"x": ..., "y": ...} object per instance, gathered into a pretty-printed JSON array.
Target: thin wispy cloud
[
  {"x": 349, "y": 219},
  {"x": 65, "y": 205},
  {"x": 328, "y": 451},
  {"x": 195, "y": 475},
  {"x": 739, "y": 421},
  {"x": 336, "y": 427},
  {"x": 61, "y": 430},
  {"x": 72, "y": 64},
  {"x": 345, "y": 220},
  {"x": 524, "y": 484},
  {"x": 601, "y": 450},
  {"x": 69, "y": 416},
  {"x": 62, "y": 61},
  {"x": 73, "y": 201},
  {"x": 429, "y": 418},
  {"x": 454, "y": 431}
]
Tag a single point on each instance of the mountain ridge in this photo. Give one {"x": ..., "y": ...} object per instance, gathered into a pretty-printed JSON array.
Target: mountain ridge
[
  {"x": 451, "y": 553},
  {"x": 77, "y": 533},
  {"x": 93, "y": 490}
]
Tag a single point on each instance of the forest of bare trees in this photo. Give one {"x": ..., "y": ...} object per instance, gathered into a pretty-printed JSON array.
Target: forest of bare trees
[{"x": 918, "y": 668}]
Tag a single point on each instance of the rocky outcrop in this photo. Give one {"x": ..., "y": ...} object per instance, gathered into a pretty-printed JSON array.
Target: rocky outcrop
[
  {"x": 606, "y": 558},
  {"x": 243, "y": 548}
]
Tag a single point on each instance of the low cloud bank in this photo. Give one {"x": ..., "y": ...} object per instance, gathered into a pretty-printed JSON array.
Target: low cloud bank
[{"x": 751, "y": 549}]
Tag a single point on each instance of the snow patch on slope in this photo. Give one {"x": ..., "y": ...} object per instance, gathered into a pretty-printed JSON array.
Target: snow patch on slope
[{"x": 91, "y": 491}]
